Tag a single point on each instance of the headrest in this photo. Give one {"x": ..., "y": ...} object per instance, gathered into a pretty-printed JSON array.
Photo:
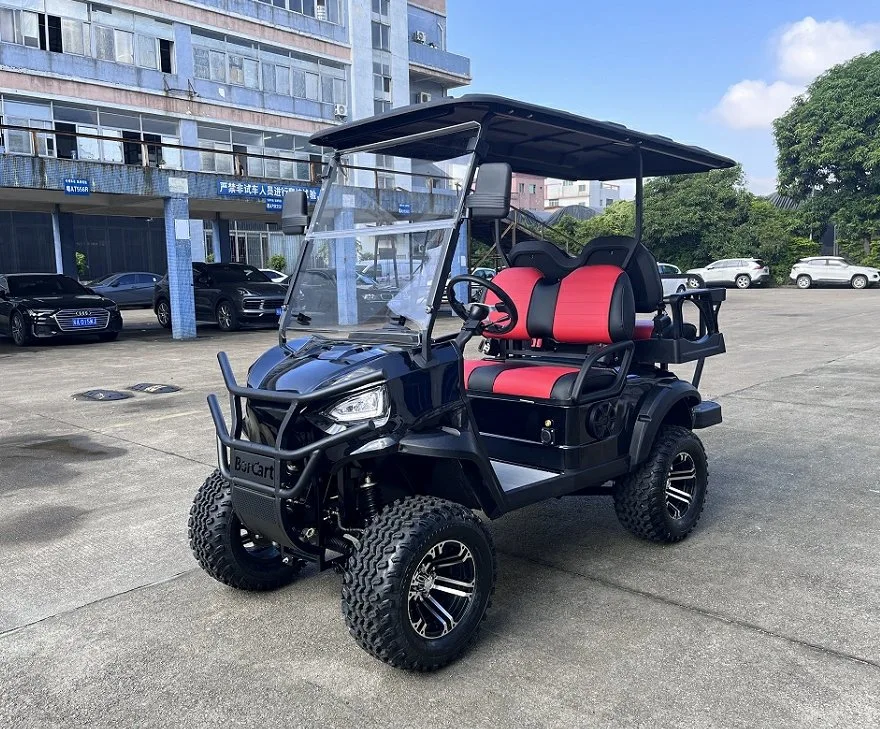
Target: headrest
[
  {"x": 549, "y": 259},
  {"x": 641, "y": 267}
]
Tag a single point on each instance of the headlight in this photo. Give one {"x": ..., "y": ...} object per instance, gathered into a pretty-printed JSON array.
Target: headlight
[
  {"x": 37, "y": 313},
  {"x": 368, "y": 405},
  {"x": 244, "y": 292}
]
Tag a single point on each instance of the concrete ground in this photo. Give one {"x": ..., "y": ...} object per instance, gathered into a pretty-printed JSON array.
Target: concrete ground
[{"x": 766, "y": 616}]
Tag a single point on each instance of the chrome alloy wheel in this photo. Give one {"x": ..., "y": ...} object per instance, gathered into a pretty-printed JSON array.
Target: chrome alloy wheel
[
  {"x": 681, "y": 485},
  {"x": 442, "y": 589},
  {"x": 224, "y": 316}
]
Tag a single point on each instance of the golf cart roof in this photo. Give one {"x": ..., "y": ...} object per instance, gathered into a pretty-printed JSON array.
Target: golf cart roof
[{"x": 532, "y": 139}]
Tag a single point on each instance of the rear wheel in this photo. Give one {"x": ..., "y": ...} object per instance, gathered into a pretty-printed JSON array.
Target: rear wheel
[
  {"x": 20, "y": 330},
  {"x": 694, "y": 282},
  {"x": 803, "y": 281},
  {"x": 163, "y": 313},
  {"x": 417, "y": 588},
  {"x": 859, "y": 282},
  {"x": 743, "y": 281},
  {"x": 663, "y": 499},
  {"x": 227, "y": 550},
  {"x": 227, "y": 317}
]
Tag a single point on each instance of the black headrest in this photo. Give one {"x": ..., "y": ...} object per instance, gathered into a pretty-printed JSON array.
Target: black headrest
[
  {"x": 638, "y": 262},
  {"x": 550, "y": 260}
]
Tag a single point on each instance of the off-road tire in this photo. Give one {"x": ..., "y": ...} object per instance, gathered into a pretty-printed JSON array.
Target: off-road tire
[
  {"x": 640, "y": 498},
  {"x": 163, "y": 313},
  {"x": 743, "y": 281},
  {"x": 695, "y": 282},
  {"x": 227, "y": 322},
  {"x": 379, "y": 573},
  {"x": 803, "y": 282},
  {"x": 18, "y": 330},
  {"x": 213, "y": 531},
  {"x": 859, "y": 281}
]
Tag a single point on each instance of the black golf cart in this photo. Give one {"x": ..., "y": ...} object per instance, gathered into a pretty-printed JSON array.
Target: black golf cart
[{"x": 365, "y": 441}]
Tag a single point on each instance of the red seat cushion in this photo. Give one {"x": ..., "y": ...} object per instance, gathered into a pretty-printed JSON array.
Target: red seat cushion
[
  {"x": 644, "y": 329},
  {"x": 518, "y": 284},
  {"x": 529, "y": 380}
]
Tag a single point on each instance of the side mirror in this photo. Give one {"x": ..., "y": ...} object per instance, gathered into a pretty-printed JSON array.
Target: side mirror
[
  {"x": 295, "y": 213},
  {"x": 490, "y": 199}
]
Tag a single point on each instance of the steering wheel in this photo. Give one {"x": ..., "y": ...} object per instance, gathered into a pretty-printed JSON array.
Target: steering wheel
[{"x": 505, "y": 305}]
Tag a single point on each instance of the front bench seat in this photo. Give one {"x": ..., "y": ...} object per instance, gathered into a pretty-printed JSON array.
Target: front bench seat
[{"x": 590, "y": 305}]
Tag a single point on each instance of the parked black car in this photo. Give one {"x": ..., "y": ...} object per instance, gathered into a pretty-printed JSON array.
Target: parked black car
[
  {"x": 231, "y": 294},
  {"x": 45, "y": 305},
  {"x": 318, "y": 287},
  {"x": 127, "y": 289}
]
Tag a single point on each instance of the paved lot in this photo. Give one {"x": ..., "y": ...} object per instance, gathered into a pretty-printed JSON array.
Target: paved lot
[{"x": 767, "y": 616}]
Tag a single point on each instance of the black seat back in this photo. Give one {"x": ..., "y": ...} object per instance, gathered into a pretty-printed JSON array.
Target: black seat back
[{"x": 638, "y": 262}]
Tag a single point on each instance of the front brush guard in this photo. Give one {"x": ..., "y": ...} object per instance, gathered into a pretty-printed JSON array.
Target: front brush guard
[{"x": 258, "y": 504}]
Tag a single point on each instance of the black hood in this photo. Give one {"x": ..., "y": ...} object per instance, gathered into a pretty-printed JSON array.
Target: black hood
[
  {"x": 259, "y": 288},
  {"x": 64, "y": 301}
]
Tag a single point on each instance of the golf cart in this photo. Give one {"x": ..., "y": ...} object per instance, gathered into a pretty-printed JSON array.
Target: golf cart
[{"x": 366, "y": 441}]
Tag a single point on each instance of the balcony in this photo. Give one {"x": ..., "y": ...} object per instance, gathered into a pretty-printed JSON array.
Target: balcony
[{"x": 434, "y": 64}]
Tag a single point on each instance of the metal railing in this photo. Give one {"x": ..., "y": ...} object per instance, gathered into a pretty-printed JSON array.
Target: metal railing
[{"x": 143, "y": 153}]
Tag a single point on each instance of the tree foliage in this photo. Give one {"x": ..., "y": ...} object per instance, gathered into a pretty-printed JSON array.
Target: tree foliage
[{"x": 829, "y": 149}]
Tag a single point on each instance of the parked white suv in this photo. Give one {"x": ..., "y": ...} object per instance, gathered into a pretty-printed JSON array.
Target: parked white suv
[
  {"x": 832, "y": 270},
  {"x": 674, "y": 281},
  {"x": 740, "y": 272}
]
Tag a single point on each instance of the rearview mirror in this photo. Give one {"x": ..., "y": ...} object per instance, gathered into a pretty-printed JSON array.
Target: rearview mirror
[
  {"x": 295, "y": 213},
  {"x": 490, "y": 199}
]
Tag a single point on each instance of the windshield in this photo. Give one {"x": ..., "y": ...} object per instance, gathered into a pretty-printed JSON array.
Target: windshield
[
  {"x": 233, "y": 273},
  {"x": 102, "y": 280},
  {"x": 37, "y": 286},
  {"x": 376, "y": 248}
]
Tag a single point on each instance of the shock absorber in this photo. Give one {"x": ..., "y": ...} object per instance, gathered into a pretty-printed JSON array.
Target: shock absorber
[{"x": 370, "y": 497}]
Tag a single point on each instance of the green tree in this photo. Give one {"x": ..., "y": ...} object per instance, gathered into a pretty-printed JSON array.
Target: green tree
[
  {"x": 278, "y": 263},
  {"x": 829, "y": 149}
]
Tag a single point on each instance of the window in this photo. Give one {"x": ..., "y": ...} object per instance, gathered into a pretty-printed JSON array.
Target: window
[
  {"x": 75, "y": 37},
  {"x": 553, "y": 203},
  {"x": 381, "y": 36},
  {"x": 533, "y": 189},
  {"x": 312, "y": 86},
  {"x": 380, "y": 106},
  {"x": 166, "y": 54},
  {"x": 52, "y": 32},
  {"x": 522, "y": 188},
  {"x": 381, "y": 79},
  {"x": 381, "y": 6},
  {"x": 582, "y": 188},
  {"x": 124, "y": 46},
  {"x": 147, "y": 53}
]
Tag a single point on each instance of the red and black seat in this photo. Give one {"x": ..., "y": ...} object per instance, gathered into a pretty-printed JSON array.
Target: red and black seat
[{"x": 587, "y": 306}]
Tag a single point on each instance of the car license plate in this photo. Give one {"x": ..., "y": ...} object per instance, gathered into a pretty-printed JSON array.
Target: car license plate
[
  {"x": 85, "y": 321},
  {"x": 279, "y": 311},
  {"x": 251, "y": 467}
]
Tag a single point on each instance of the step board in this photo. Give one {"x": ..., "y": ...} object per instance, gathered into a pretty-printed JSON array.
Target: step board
[{"x": 511, "y": 476}]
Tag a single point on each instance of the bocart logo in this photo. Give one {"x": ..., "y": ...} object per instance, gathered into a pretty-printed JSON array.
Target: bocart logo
[{"x": 253, "y": 468}]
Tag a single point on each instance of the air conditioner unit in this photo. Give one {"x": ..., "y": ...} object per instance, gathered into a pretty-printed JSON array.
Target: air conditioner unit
[
  {"x": 340, "y": 110},
  {"x": 423, "y": 97},
  {"x": 420, "y": 37}
]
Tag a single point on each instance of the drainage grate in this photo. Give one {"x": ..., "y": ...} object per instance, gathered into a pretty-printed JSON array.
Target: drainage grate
[
  {"x": 102, "y": 395},
  {"x": 154, "y": 389}
]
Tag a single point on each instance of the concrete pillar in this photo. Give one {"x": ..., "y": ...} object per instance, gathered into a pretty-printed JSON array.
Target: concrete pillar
[
  {"x": 220, "y": 239},
  {"x": 343, "y": 258},
  {"x": 65, "y": 244},
  {"x": 180, "y": 272},
  {"x": 459, "y": 265}
]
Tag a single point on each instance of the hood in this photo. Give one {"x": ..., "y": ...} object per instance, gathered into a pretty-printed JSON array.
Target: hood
[
  {"x": 65, "y": 301},
  {"x": 319, "y": 364},
  {"x": 264, "y": 288}
]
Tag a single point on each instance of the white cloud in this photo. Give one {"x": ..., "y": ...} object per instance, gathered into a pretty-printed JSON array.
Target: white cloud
[
  {"x": 807, "y": 48},
  {"x": 755, "y": 104},
  {"x": 803, "y": 50}
]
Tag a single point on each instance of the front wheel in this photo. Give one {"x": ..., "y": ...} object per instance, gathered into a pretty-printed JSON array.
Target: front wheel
[
  {"x": 694, "y": 282},
  {"x": 417, "y": 588},
  {"x": 743, "y": 281},
  {"x": 803, "y": 282},
  {"x": 163, "y": 314},
  {"x": 19, "y": 329},
  {"x": 230, "y": 552},
  {"x": 227, "y": 317},
  {"x": 859, "y": 282},
  {"x": 663, "y": 499}
]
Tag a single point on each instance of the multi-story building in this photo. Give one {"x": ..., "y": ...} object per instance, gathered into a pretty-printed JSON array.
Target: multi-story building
[
  {"x": 122, "y": 120},
  {"x": 587, "y": 193},
  {"x": 527, "y": 192}
]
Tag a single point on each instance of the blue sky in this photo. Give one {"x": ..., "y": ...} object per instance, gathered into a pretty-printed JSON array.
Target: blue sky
[{"x": 707, "y": 73}]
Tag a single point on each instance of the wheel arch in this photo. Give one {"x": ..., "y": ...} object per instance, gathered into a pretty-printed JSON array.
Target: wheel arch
[{"x": 667, "y": 405}]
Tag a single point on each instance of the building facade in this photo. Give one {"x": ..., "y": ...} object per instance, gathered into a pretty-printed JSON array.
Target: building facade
[
  {"x": 587, "y": 193},
  {"x": 527, "y": 192},
  {"x": 118, "y": 119}
]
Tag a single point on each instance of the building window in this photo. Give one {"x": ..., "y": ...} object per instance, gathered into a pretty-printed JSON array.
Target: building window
[
  {"x": 381, "y": 6},
  {"x": 533, "y": 189},
  {"x": 553, "y": 203},
  {"x": 381, "y": 79},
  {"x": 381, "y": 36},
  {"x": 522, "y": 188},
  {"x": 582, "y": 188},
  {"x": 380, "y": 106},
  {"x": 326, "y": 10}
]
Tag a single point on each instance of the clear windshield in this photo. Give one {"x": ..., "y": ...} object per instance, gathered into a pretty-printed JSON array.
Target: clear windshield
[{"x": 375, "y": 251}]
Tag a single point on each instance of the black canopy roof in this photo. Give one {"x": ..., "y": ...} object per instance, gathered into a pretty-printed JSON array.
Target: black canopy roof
[{"x": 533, "y": 139}]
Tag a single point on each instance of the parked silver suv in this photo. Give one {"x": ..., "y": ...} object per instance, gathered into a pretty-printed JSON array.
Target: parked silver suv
[
  {"x": 832, "y": 270},
  {"x": 740, "y": 272}
]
